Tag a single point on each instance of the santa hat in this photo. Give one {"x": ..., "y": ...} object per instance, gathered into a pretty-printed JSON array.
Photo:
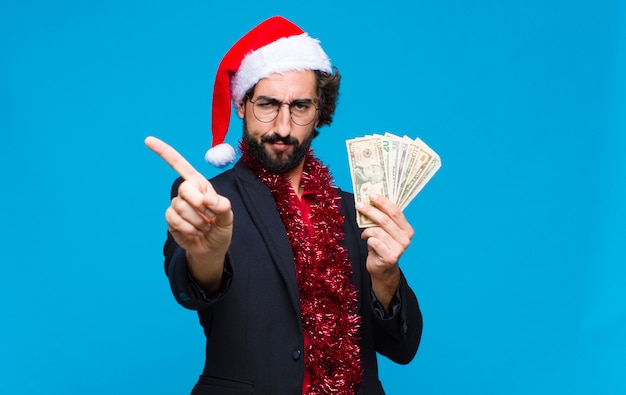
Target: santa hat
[{"x": 274, "y": 46}]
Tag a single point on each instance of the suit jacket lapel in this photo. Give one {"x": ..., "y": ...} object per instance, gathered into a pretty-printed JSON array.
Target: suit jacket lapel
[{"x": 260, "y": 203}]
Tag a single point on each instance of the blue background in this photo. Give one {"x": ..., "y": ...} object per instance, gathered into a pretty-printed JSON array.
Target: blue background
[{"x": 518, "y": 259}]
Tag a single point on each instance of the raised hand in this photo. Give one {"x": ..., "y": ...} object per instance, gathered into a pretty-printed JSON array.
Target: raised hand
[
  {"x": 200, "y": 220},
  {"x": 386, "y": 242}
]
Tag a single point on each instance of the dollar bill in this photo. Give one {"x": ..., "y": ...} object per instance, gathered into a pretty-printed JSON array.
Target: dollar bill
[
  {"x": 368, "y": 171},
  {"x": 434, "y": 163},
  {"x": 389, "y": 165}
]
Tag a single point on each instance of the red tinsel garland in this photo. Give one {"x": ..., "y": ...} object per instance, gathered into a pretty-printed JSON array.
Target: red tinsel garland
[{"x": 328, "y": 300}]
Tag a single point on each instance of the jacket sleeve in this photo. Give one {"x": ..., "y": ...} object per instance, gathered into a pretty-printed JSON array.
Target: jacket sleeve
[
  {"x": 397, "y": 335},
  {"x": 184, "y": 287}
]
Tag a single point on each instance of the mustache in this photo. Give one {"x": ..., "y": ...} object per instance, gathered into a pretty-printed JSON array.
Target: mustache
[{"x": 274, "y": 138}]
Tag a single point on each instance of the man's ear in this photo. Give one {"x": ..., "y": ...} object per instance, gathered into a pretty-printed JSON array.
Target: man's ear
[{"x": 241, "y": 110}]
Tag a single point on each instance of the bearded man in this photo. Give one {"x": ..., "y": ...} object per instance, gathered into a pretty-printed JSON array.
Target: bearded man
[{"x": 293, "y": 297}]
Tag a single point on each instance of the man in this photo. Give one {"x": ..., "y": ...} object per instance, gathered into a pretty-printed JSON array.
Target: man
[{"x": 293, "y": 297}]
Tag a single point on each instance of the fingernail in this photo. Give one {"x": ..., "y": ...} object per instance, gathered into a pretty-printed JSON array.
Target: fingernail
[
  {"x": 209, "y": 213},
  {"x": 359, "y": 205},
  {"x": 373, "y": 196}
]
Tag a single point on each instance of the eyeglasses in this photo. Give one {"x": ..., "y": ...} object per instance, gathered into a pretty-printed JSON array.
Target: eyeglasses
[{"x": 302, "y": 111}]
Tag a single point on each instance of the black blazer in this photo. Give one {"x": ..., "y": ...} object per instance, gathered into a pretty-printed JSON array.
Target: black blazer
[{"x": 253, "y": 328}]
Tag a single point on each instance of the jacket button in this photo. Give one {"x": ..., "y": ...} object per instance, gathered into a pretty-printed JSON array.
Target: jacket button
[{"x": 296, "y": 354}]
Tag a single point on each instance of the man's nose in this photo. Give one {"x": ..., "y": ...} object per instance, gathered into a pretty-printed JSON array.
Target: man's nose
[{"x": 283, "y": 120}]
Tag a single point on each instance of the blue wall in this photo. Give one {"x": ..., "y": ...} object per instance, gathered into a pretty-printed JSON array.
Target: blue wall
[{"x": 518, "y": 259}]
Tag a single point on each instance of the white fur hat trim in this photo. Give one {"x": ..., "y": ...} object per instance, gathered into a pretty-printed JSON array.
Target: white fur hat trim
[{"x": 299, "y": 52}]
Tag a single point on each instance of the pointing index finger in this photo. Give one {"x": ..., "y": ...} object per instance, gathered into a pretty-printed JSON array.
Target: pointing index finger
[{"x": 172, "y": 157}]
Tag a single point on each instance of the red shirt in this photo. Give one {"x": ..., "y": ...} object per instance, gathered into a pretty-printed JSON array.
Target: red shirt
[{"x": 304, "y": 206}]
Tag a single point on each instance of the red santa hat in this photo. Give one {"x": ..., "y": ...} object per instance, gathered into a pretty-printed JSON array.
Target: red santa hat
[{"x": 274, "y": 46}]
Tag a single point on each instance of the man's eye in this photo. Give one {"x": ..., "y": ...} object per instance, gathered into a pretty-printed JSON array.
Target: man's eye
[
  {"x": 265, "y": 103},
  {"x": 301, "y": 106}
]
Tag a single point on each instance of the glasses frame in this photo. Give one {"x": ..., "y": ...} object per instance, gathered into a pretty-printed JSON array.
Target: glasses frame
[{"x": 280, "y": 105}]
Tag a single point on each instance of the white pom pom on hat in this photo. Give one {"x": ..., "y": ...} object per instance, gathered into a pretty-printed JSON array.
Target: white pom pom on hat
[
  {"x": 274, "y": 46},
  {"x": 220, "y": 155}
]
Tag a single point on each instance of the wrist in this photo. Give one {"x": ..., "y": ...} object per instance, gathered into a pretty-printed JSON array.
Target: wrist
[
  {"x": 207, "y": 270},
  {"x": 385, "y": 285}
]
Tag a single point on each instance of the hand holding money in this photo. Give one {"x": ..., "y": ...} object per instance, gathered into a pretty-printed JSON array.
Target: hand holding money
[{"x": 392, "y": 166}]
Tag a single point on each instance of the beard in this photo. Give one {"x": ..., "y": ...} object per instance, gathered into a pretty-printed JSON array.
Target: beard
[{"x": 284, "y": 162}]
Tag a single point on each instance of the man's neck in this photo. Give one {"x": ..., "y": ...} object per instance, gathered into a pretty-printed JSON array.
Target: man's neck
[{"x": 295, "y": 177}]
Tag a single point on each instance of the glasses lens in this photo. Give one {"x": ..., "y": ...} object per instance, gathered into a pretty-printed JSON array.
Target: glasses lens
[
  {"x": 266, "y": 110},
  {"x": 302, "y": 112}
]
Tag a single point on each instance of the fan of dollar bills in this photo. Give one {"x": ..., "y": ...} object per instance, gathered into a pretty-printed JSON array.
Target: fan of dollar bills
[{"x": 395, "y": 167}]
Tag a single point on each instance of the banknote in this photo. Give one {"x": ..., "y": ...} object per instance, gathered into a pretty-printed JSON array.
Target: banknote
[
  {"x": 368, "y": 171},
  {"x": 393, "y": 166}
]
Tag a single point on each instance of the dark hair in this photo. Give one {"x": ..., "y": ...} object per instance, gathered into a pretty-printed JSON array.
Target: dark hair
[{"x": 327, "y": 93}]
